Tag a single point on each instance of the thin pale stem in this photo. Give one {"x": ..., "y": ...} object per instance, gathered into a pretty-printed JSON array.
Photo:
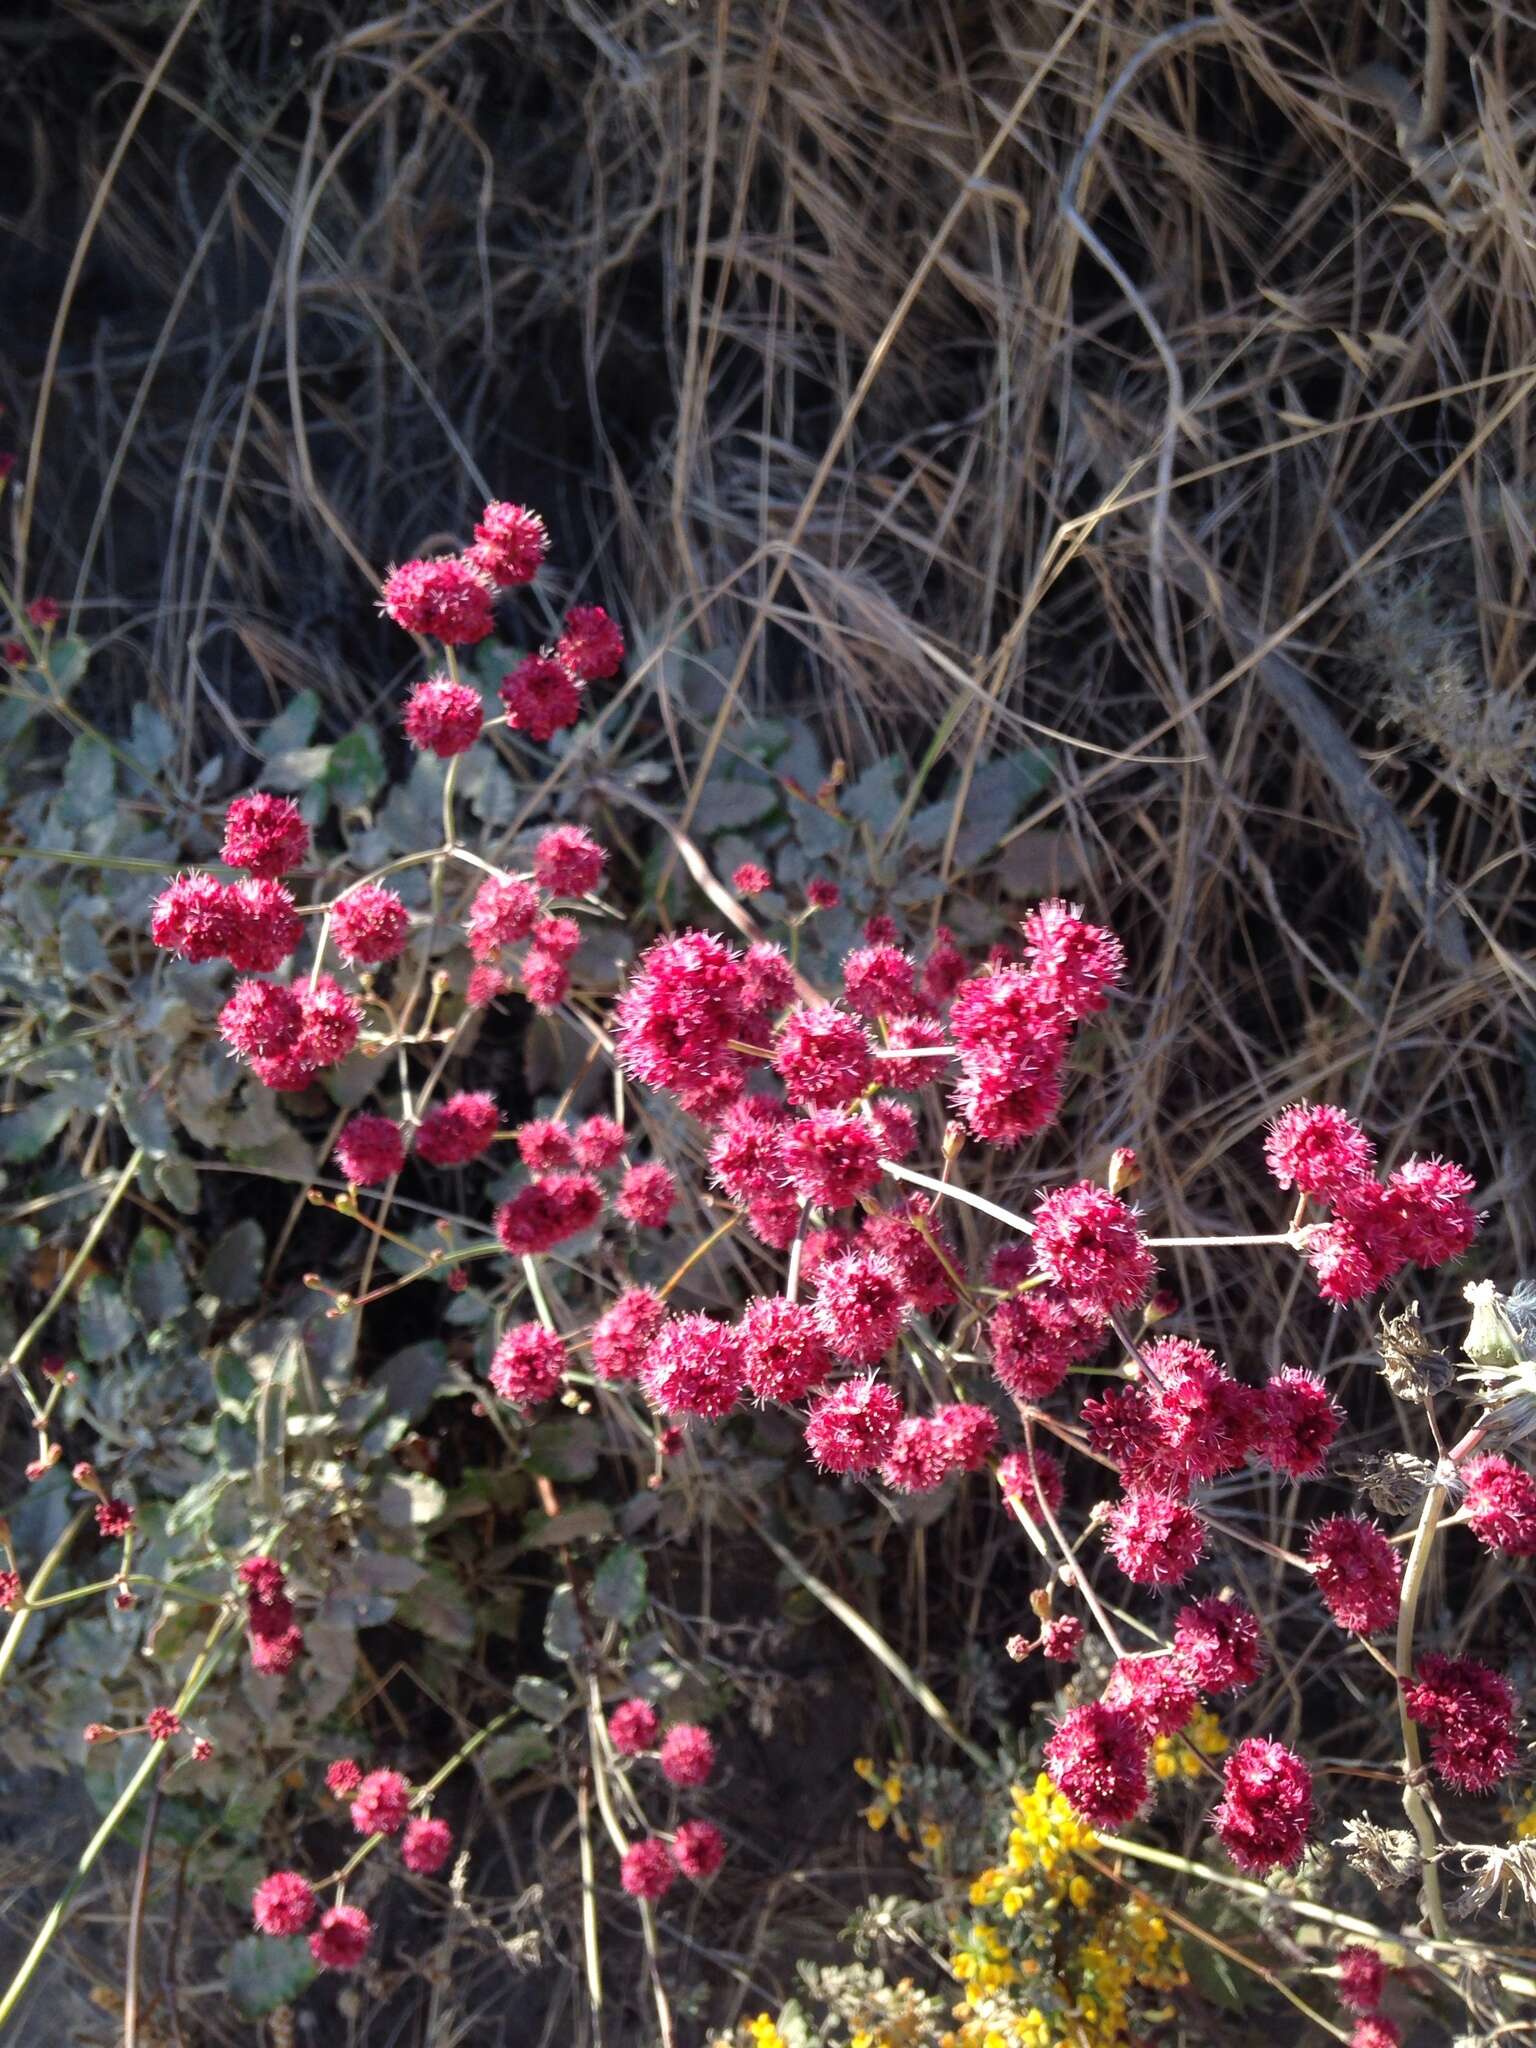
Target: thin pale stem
[{"x": 1414, "y": 1803}]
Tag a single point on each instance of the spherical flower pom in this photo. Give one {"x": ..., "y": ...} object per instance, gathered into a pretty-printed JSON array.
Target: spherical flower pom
[
  {"x": 11, "y": 1590},
  {"x": 1300, "y": 1421},
  {"x": 1358, "y": 1572},
  {"x": 369, "y": 1150},
  {"x": 767, "y": 987},
  {"x": 647, "y": 1869},
  {"x": 1217, "y": 1641},
  {"x": 458, "y": 1130},
  {"x": 925, "y": 1259},
  {"x": 699, "y": 1848},
  {"x": 1157, "y": 1692},
  {"x": 830, "y": 1158},
  {"x": 1188, "y": 1421},
  {"x": 910, "y": 1035},
  {"x": 528, "y": 1365},
  {"x": 560, "y": 936},
  {"x": 750, "y": 880},
  {"x": 543, "y": 1143},
  {"x": 1011, "y": 1264},
  {"x": 264, "y": 926},
  {"x": 823, "y": 1056},
  {"x": 880, "y": 981},
  {"x": 1469, "y": 1710},
  {"x": 919, "y": 1459},
  {"x": 646, "y": 1195},
  {"x": 687, "y": 1755},
  {"x": 861, "y": 1306},
  {"x": 568, "y": 861},
  {"x": 283, "y": 1904},
  {"x": 341, "y": 1940},
  {"x": 383, "y": 1800},
  {"x": 44, "y": 612},
  {"x": 547, "y": 1211},
  {"x": 696, "y": 1366},
  {"x": 633, "y": 1727},
  {"x": 1500, "y": 1505},
  {"x": 426, "y": 1846},
  {"x": 1024, "y": 1479},
  {"x": 1090, "y": 1244},
  {"x": 744, "y": 1152},
  {"x": 265, "y": 835},
  {"x": 444, "y": 599},
  {"x": 1435, "y": 1220},
  {"x": 1077, "y": 963},
  {"x": 443, "y": 717},
  {"x": 944, "y": 969},
  {"x": 370, "y": 925},
  {"x": 275, "y": 1655},
  {"x": 1344, "y": 1265},
  {"x": 1362, "y": 1977},
  {"x": 265, "y": 1584},
  {"x": 114, "y": 1518},
  {"x": 285, "y": 1071},
  {"x": 161, "y": 1723},
  {"x": 483, "y": 987},
  {"x": 1061, "y": 1639},
  {"x": 1097, "y": 1760},
  {"x": 504, "y": 911},
  {"x": 261, "y": 1020},
  {"x": 1375, "y": 2030},
  {"x": 196, "y": 917},
  {"x": 852, "y": 1426},
  {"x": 784, "y": 1354},
  {"x": 598, "y": 1143},
  {"x": 624, "y": 1332},
  {"x": 343, "y": 1777},
  {"x": 1005, "y": 1103},
  {"x": 822, "y": 893},
  {"x": 1009, "y": 1019},
  {"x": 774, "y": 1220},
  {"x": 592, "y": 645},
  {"x": 678, "y": 1013},
  {"x": 1036, "y": 1338},
  {"x": 1265, "y": 1811},
  {"x": 1318, "y": 1149},
  {"x": 969, "y": 1432},
  {"x": 546, "y": 980},
  {"x": 541, "y": 696},
  {"x": 1155, "y": 1538},
  {"x": 510, "y": 544}
]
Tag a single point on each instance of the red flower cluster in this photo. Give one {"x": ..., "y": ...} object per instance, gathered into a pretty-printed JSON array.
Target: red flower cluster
[
  {"x": 276, "y": 1641},
  {"x": 528, "y": 1365},
  {"x": 633, "y": 1727},
  {"x": 1097, "y": 1760},
  {"x": 1265, "y": 1812},
  {"x": 1217, "y": 1641},
  {"x": 1358, "y": 1572},
  {"x": 443, "y": 717},
  {"x": 1469, "y": 1711},
  {"x": 1500, "y": 1505},
  {"x": 1154, "y": 1537}
]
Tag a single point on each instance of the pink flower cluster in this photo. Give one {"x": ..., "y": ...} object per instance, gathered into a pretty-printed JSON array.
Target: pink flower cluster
[
  {"x": 276, "y": 1641},
  {"x": 650, "y": 1867}
]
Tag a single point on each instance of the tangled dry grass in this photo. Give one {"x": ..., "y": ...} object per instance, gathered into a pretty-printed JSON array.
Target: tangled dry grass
[{"x": 1153, "y": 388}]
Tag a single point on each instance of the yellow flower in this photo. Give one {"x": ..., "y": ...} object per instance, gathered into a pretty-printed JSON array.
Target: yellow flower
[
  {"x": 876, "y": 1815},
  {"x": 931, "y": 1835},
  {"x": 865, "y": 1767},
  {"x": 1080, "y": 1891},
  {"x": 892, "y": 1789}
]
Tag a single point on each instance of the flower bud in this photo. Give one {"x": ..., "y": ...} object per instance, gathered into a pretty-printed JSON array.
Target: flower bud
[
  {"x": 1490, "y": 1341},
  {"x": 1124, "y": 1170}
]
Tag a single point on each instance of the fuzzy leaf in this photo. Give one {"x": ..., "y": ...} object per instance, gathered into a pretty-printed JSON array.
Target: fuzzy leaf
[
  {"x": 157, "y": 1286},
  {"x": 619, "y": 1585},
  {"x": 266, "y": 1971},
  {"x": 232, "y": 1271},
  {"x": 104, "y": 1324}
]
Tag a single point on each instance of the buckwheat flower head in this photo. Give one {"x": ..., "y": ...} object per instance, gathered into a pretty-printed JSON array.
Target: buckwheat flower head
[
  {"x": 784, "y": 1354},
  {"x": 744, "y": 1151},
  {"x": 647, "y": 1869},
  {"x": 624, "y": 1332},
  {"x": 1469, "y": 1711},
  {"x": 444, "y": 599},
  {"x": 1300, "y": 1421},
  {"x": 880, "y": 981},
  {"x": 646, "y": 1195},
  {"x": 1358, "y": 1572},
  {"x": 541, "y": 696},
  {"x": 823, "y": 1056},
  {"x": 852, "y": 1427},
  {"x": 1318, "y": 1149},
  {"x": 919, "y": 1459},
  {"x": 1008, "y": 1018},
  {"x": 333, "y": 1019},
  {"x": 1024, "y": 1479},
  {"x": 195, "y": 916},
  {"x": 1265, "y": 1812},
  {"x": 510, "y": 544},
  {"x": 1189, "y": 1420},
  {"x": 822, "y": 893},
  {"x": 283, "y": 1904},
  {"x": 699, "y": 1848},
  {"x": 44, "y": 612},
  {"x": 695, "y": 1366},
  {"x": 633, "y": 1727},
  {"x": 162, "y": 1723},
  {"x": 679, "y": 1012},
  {"x": 458, "y": 1130},
  {"x": 382, "y": 1802},
  {"x": 1097, "y": 1760},
  {"x": 343, "y": 1777},
  {"x": 1061, "y": 1639},
  {"x": 1036, "y": 1338},
  {"x": 767, "y": 987},
  {"x": 546, "y": 979},
  {"x": 443, "y": 717},
  {"x": 548, "y": 1211},
  {"x": 1218, "y": 1643},
  {"x": 1003, "y": 1102},
  {"x": 911, "y": 1034},
  {"x": 483, "y": 986},
  {"x": 369, "y": 925},
  {"x": 10, "y": 1590},
  {"x": 1500, "y": 1505},
  {"x": 1076, "y": 963},
  {"x": 504, "y": 911},
  {"x": 592, "y": 645},
  {"x": 1375, "y": 2030},
  {"x": 750, "y": 880},
  {"x": 969, "y": 1433},
  {"x": 426, "y": 1845},
  {"x": 687, "y": 1755},
  {"x": 568, "y": 861},
  {"x": 1344, "y": 1262},
  {"x": 1091, "y": 1245},
  {"x": 1362, "y": 1977},
  {"x": 1156, "y": 1691},
  {"x": 598, "y": 1143},
  {"x": 265, "y": 835},
  {"x": 114, "y": 1518},
  {"x": 774, "y": 1220},
  {"x": 543, "y": 1143},
  {"x": 341, "y": 1940},
  {"x": 861, "y": 1306},
  {"x": 275, "y": 1655},
  {"x": 924, "y": 1257},
  {"x": 830, "y": 1158},
  {"x": 1155, "y": 1538},
  {"x": 1436, "y": 1222},
  {"x": 528, "y": 1365},
  {"x": 261, "y": 1019}
]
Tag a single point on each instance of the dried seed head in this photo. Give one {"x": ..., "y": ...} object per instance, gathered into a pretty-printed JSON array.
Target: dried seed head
[
  {"x": 1395, "y": 1483},
  {"x": 1388, "y": 1857},
  {"x": 1410, "y": 1364}
]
